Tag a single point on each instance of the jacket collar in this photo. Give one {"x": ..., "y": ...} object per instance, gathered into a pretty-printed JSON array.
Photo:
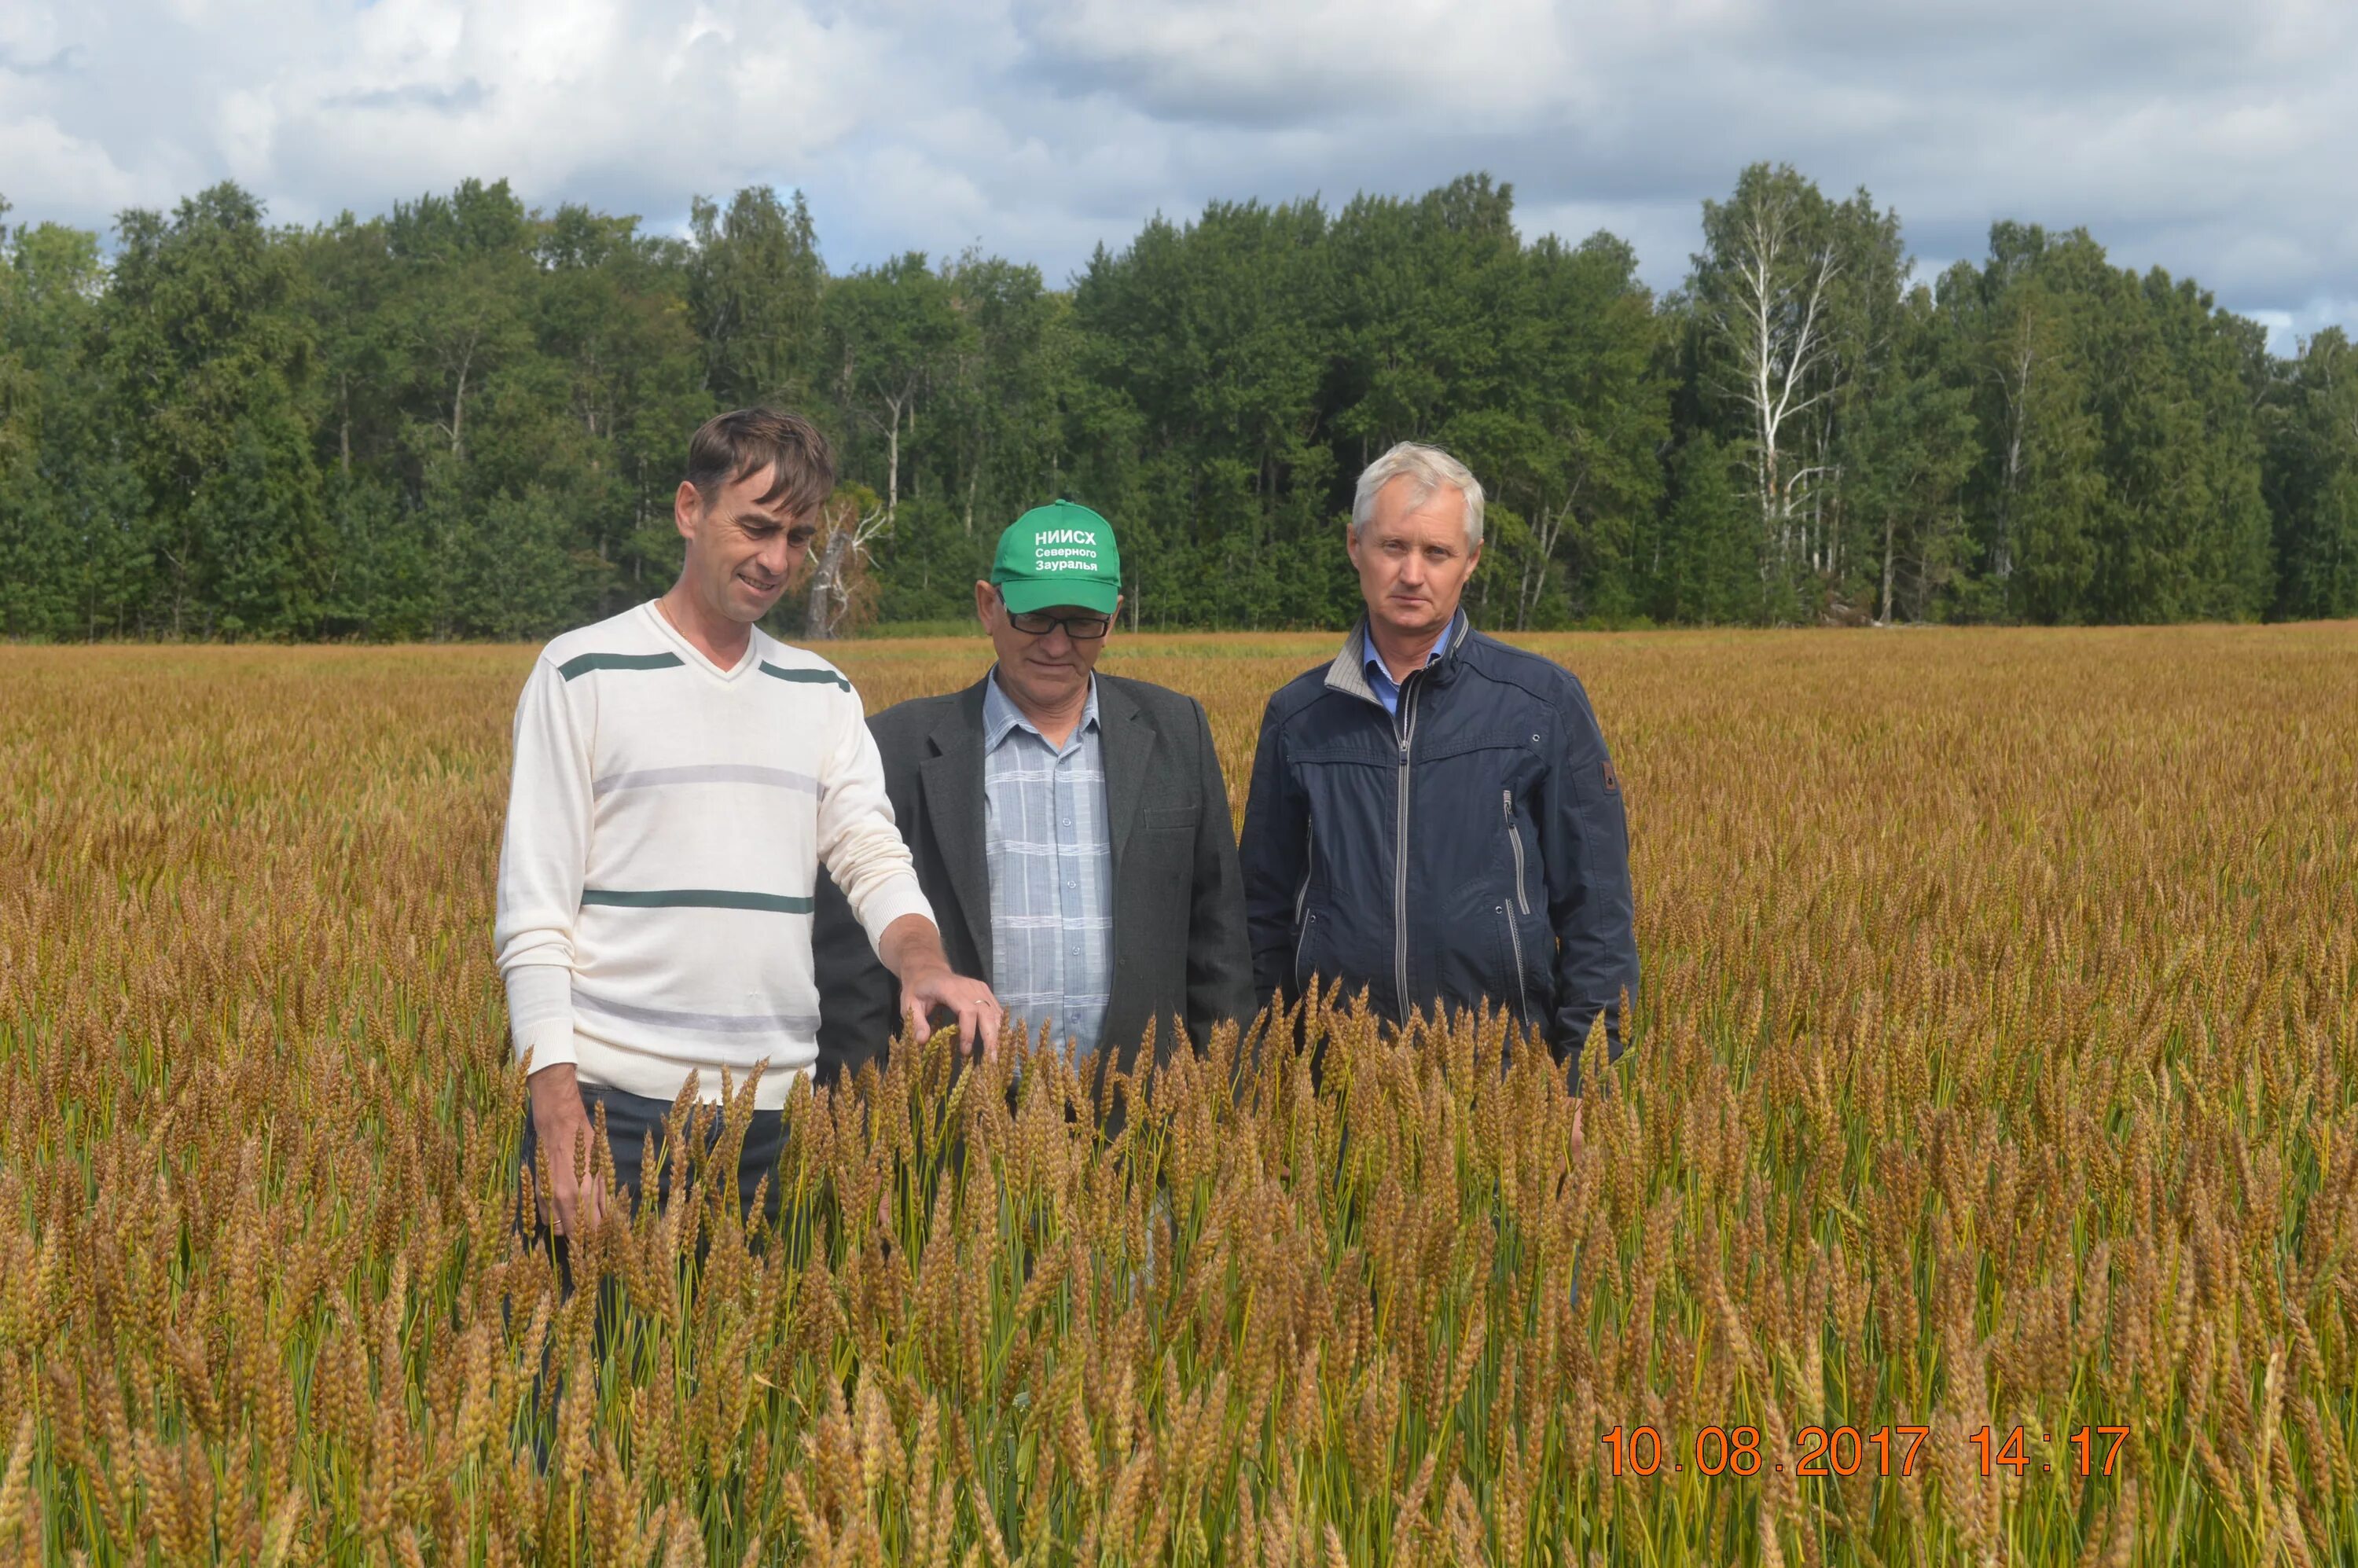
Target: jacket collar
[
  {"x": 1348, "y": 672},
  {"x": 1126, "y": 745}
]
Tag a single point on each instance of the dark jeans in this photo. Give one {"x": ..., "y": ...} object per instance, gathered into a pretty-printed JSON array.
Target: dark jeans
[
  {"x": 633, "y": 1122},
  {"x": 634, "y": 1131}
]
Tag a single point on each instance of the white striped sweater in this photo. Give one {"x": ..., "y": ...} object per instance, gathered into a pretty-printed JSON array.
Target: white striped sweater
[{"x": 666, "y": 819}]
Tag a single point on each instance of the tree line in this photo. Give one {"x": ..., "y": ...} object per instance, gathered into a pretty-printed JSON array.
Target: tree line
[{"x": 466, "y": 417}]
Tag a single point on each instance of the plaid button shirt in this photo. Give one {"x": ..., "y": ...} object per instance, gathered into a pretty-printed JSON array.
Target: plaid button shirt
[{"x": 1051, "y": 857}]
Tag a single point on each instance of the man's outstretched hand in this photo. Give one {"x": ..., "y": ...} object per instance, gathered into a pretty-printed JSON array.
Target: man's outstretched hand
[
  {"x": 561, "y": 1122},
  {"x": 912, "y": 949}
]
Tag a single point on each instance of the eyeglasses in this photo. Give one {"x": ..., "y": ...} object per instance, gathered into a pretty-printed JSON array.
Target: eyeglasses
[{"x": 1079, "y": 627}]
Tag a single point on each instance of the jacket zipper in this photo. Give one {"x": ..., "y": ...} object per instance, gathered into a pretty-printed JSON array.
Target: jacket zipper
[
  {"x": 1405, "y": 728},
  {"x": 1302, "y": 898},
  {"x": 1523, "y": 991},
  {"x": 1515, "y": 840}
]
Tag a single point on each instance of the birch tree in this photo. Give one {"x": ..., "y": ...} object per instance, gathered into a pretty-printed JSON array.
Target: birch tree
[
  {"x": 471, "y": 273},
  {"x": 851, "y": 521},
  {"x": 891, "y": 332},
  {"x": 1763, "y": 287},
  {"x": 1866, "y": 321}
]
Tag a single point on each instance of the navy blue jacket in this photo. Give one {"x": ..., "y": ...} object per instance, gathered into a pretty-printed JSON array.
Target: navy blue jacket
[{"x": 1472, "y": 846}]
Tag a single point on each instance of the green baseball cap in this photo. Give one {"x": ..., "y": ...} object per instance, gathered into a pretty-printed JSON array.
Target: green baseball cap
[{"x": 1059, "y": 554}]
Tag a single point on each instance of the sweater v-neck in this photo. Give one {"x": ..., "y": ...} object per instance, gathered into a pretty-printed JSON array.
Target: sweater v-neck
[{"x": 679, "y": 640}]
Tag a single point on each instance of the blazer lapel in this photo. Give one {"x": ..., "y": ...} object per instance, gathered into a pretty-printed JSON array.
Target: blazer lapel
[
  {"x": 1126, "y": 741},
  {"x": 953, "y": 785}
]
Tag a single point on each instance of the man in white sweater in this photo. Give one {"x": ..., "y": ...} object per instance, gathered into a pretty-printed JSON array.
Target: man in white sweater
[{"x": 679, "y": 779}]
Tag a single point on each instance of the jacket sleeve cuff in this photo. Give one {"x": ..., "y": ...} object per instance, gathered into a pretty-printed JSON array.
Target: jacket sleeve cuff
[
  {"x": 889, "y": 902},
  {"x": 540, "y": 1014}
]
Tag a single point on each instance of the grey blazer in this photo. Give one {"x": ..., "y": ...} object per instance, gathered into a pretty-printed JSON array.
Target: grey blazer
[{"x": 1179, "y": 950}]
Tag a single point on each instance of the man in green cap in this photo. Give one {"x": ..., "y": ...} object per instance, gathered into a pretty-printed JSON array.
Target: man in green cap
[{"x": 1070, "y": 829}]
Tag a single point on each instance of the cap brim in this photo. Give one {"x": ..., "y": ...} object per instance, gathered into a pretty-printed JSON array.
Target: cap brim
[{"x": 1024, "y": 595}]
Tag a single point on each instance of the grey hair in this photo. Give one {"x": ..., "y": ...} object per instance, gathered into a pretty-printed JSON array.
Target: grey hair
[{"x": 1428, "y": 469}]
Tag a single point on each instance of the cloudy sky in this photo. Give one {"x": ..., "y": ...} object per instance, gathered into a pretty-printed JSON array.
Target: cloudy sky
[{"x": 2215, "y": 138}]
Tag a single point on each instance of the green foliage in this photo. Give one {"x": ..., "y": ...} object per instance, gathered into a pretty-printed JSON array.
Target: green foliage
[
  {"x": 752, "y": 296},
  {"x": 256, "y": 529},
  {"x": 1705, "y": 565},
  {"x": 2311, "y": 479},
  {"x": 201, "y": 348},
  {"x": 466, "y": 418},
  {"x": 890, "y": 334}
]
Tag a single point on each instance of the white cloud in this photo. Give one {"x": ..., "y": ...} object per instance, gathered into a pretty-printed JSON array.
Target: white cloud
[
  {"x": 50, "y": 169},
  {"x": 2203, "y": 136},
  {"x": 1228, "y": 61}
]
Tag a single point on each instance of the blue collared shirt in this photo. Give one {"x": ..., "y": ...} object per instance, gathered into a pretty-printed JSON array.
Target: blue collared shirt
[
  {"x": 1049, "y": 846},
  {"x": 1379, "y": 680}
]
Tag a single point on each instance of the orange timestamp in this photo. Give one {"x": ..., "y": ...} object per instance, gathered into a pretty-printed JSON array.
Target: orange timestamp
[{"x": 1852, "y": 1451}]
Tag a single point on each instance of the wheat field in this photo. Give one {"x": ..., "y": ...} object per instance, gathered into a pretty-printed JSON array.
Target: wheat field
[{"x": 1991, "y": 1117}]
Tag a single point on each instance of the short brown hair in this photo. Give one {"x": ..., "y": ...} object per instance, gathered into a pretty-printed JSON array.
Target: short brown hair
[{"x": 730, "y": 446}]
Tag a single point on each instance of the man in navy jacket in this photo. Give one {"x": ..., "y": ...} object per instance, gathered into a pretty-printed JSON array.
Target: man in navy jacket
[{"x": 1433, "y": 815}]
